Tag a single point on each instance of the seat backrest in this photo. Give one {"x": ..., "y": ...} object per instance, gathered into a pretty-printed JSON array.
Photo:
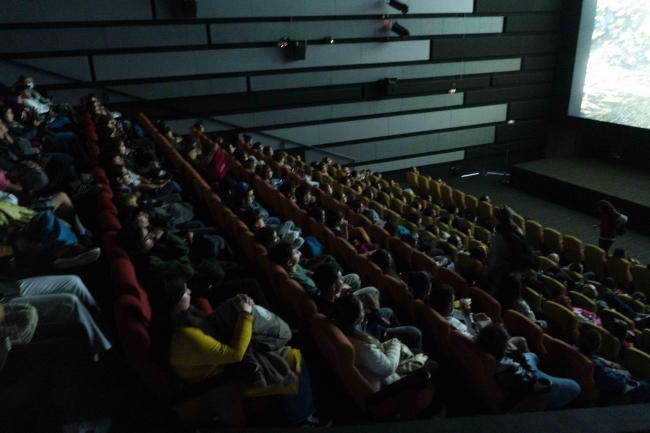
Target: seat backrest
[
  {"x": 424, "y": 184},
  {"x": 251, "y": 248},
  {"x": 519, "y": 222},
  {"x": 343, "y": 249},
  {"x": 553, "y": 240},
  {"x": 464, "y": 225},
  {"x": 482, "y": 234},
  {"x": 446, "y": 194},
  {"x": 641, "y": 278},
  {"x": 293, "y": 294},
  {"x": 477, "y": 368},
  {"x": 412, "y": 180},
  {"x": 458, "y": 198},
  {"x": 379, "y": 236},
  {"x": 377, "y": 207},
  {"x": 638, "y": 363},
  {"x": 276, "y": 273},
  {"x": 554, "y": 287},
  {"x": 619, "y": 269},
  {"x": 545, "y": 263},
  {"x": 435, "y": 328},
  {"x": 369, "y": 272},
  {"x": 471, "y": 203},
  {"x": 574, "y": 249},
  {"x": 562, "y": 323},
  {"x": 519, "y": 325},
  {"x": 402, "y": 252},
  {"x": 434, "y": 189},
  {"x": 397, "y": 206},
  {"x": 339, "y": 354},
  {"x": 397, "y": 296},
  {"x": 581, "y": 301},
  {"x": 564, "y": 361},
  {"x": 468, "y": 267},
  {"x": 482, "y": 301},
  {"x": 535, "y": 233},
  {"x": 533, "y": 299},
  {"x": 595, "y": 261},
  {"x": 358, "y": 220},
  {"x": 485, "y": 211},
  {"x": 607, "y": 315},
  {"x": 422, "y": 262},
  {"x": 610, "y": 346},
  {"x": 447, "y": 276}
]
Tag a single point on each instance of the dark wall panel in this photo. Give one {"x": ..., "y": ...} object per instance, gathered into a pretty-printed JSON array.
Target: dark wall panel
[
  {"x": 507, "y": 94},
  {"x": 535, "y": 77},
  {"x": 492, "y": 46},
  {"x": 495, "y": 6},
  {"x": 532, "y": 23},
  {"x": 529, "y": 109},
  {"x": 522, "y": 130},
  {"x": 538, "y": 62}
]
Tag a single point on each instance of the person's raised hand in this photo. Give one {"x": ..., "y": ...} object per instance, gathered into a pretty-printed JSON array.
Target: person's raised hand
[
  {"x": 243, "y": 303},
  {"x": 465, "y": 307}
]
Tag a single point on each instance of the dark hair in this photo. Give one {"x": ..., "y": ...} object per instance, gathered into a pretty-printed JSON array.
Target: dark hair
[
  {"x": 368, "y": 214},
  {"x": 619, "y": 252},
  {"x": 576, "y": 267},
  {"x": 261, "y": 170},
  {"x": 410, "y": 239},
  {"x": 257, "y": 145},
  {"x": 391, "y": 228},
  {"x": 605, "y": 207},
  {"x": 249, "y": 164},
  {"x": 166, "y": 316},
  {"x": 246, "y": 138},
  {"x": 384, "y": 259},
  {"x": 452, "y": 209},
  {"x": 618, "y": 328},
  {"x": 239, "y": 155},
  {"x": 333, "y": 217},
  {"x": 337, "y": 196},
  {"x": 130, "y": 238},
  {"x": 317, "y": 213},
  {"x": 250, "y": 217},
  {"x": 368, "y": 193},
  {"x": 444, "y": 219},
  {"x": 483, "y": 198},
  {"x": 440, "y": 298},
  {"x": 267, "y": 150},
  {"x": 347, "y": 310},
  {"x": 429, "y": 211},
  {"x": 478, "y": 253},
  {"x": 453, "y": 240},
  {"x": 326, "y": 275},
  {"x": 114, "y": 172},
  {"x": 610, "y": 283},
  {"x": 265, "y": 236},
  {"x": 494, "y": 340},
  {"x": 503, "y": 215},
  {"x": 277, "y": 157},
  {"x": 355, "y": 205},
  {"x": 419, "y": 283},
  {"x": 414, "y": 217},
  {"x": 287, "y": 187},
  {"x": 301, "y": 192},
  {"x": 469, "y": 216},
  {"x": 321, "y": 166},
  {"x": 589, "y": 341},
  {"x": 281, "y": 253}
]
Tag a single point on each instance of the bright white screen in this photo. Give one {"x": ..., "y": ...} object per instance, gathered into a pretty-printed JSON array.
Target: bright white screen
[{"x": 611, "y": 81}]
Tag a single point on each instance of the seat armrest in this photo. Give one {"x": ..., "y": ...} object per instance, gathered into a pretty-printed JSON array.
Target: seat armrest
[{"x": 414, "y": 381}]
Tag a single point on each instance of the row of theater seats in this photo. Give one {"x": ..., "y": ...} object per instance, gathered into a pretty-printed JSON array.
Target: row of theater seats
[
  {"x": 193, "y": 404},
  {"x": 477, "y": 368},
  {"x": 544, "y": 239}
]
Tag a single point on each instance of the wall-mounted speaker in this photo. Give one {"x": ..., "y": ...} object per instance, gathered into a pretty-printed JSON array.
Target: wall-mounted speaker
[{"x": 298, "y": 50}]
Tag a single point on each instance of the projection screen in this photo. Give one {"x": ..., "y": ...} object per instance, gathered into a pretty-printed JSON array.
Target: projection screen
[{"x": 611, "y": 80}]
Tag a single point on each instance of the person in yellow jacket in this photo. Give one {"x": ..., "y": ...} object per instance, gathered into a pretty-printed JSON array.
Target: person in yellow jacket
[{"x": 181, "y": 336}]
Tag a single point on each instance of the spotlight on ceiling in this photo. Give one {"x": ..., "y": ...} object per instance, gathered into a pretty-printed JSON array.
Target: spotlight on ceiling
[
  {"x": 403, "y": 8},
  {"x": 400, "y": 30}
]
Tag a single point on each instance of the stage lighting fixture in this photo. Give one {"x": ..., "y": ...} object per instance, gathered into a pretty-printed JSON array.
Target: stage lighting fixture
[
  {"x": 399, "y": 6},
  {"x": 400, "y": 30}
]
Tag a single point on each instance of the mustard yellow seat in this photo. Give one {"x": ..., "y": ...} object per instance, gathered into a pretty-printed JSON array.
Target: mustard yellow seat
[
  {"x": 574, "y": 250},
  {"x": 562, "y": 323},
  {"x": 641, "y": 278},
  {"x": 610, "y": 345},
  {"x": 446, "y": 194},
  {"x": 471, "y": 203},
  {"x": 620, "y": 270},
  {"x": 535, "y": 234},
  {"x": 595, "y": 261},
  {"x": 458, "y": 198},
  {"x": 485, "y": 211},
  {"x": 553, "y": 240}
]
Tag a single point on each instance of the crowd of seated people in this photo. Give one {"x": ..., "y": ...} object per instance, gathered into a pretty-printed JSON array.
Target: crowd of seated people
[
  {"x": 51, "y": 327},
  {"x": 163, "y": 237}
]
